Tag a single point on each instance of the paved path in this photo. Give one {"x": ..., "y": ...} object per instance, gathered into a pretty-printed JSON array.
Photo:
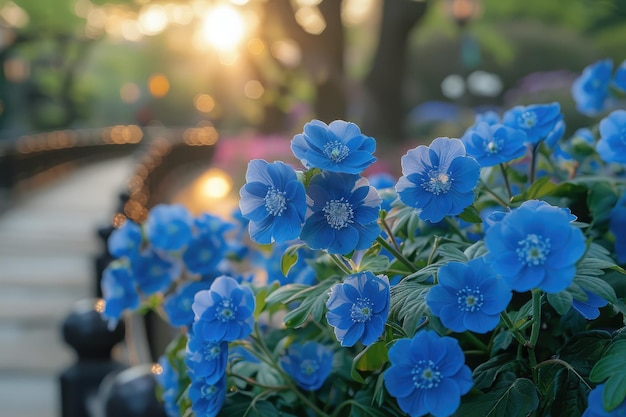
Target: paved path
[{"x": 48, "y": 244}]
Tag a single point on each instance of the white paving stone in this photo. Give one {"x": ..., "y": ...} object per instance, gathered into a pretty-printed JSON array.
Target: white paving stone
[{"x": 48, "y": 245}]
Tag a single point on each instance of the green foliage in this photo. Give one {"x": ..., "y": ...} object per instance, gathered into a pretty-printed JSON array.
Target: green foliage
[
  {"x": 511, "y": 396},
  {"x": 611, "y": 369}
]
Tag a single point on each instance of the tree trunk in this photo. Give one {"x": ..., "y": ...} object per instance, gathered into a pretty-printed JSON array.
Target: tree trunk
[{"x": 384, "y": 107}]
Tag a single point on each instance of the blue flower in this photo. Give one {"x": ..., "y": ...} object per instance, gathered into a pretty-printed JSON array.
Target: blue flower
[
  {"x": 438, "y": 179},
  {"x": 490, "y": 117},
  {"x": 382, "y": 180},
  {"x": 556, "y": 134},
  {"x": 274, "y": 201},
  {"x": 343, "y": 213},
  {"x": 612, "y": 144},
  {"x": 428, "y": 374},
  {"x": 224, "y": 312},
  {"x": 125, "y": 241},
  {"x": 619, "y": 79},
  {"x": 469, "y": 296},
  {"x": 167, "y": 379},
  {"x": 154, "y": 271},
  {"x": 385, "y": 185},
  {"x": 309, "y": 364},
  {"x": 589, "y": 309},
  {"x": 494, "y": 144},
  {"x": 617, "y": 225},
  {"x": 206, "y": 360},
  {"x": 118, "y": 290},
  {"x": 595, "y": 406},
  {"x": 204, "y": 253},
  {"x": 207, "y": 399},
  {"x": 536, "y": 120},
  {"x": 177, "y": 305},
  {"x": 337, "y": 147},
  {"x": 168, "y": 227},
  {"x": 535, "y": 246},
  {"x": 358, "y": 308},
  {"x": 591, "y": 89}
]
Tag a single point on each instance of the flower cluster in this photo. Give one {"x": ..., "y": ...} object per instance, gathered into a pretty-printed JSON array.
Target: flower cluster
[{"x": 487, "y": 279}]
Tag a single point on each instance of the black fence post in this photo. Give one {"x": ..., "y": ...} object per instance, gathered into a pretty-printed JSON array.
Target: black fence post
[
  {"x": 131, "y": 393},
  {"x": 88, "y": 334}
]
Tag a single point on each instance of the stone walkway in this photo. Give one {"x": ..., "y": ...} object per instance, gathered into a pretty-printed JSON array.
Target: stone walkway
[{"x": 48, "y": 243}]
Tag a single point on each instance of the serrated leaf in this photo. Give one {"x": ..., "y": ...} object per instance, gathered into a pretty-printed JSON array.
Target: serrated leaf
[
  {"x": 284, "y": 293},
  {"x": 561, "y": 301},
  {"x": 511, "y": 397},
  {"x": 408, "y": 304},
  {"x": 313, "y": 302}
]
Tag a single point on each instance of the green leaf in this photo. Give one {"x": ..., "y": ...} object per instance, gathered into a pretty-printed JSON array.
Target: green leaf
[
  {"x": 511, "y": 397},
  {"x": 375, "y": 263},
  {"x": 260, "y": 298},
  {"x": 486, "y": 373},
  {"x": 308, "y": 174},
  {"x": 451, "y": 253},
  {"x": 612, "y": 368},
  {"x": 362, "y": 406},
  {"x": 408, "y": 304},
  {"x": 284, "y": 293},
  {"x": 470, "y": 215},
  {"x": 601, "y": 199},
  {"x": 538, "y": 189},
  {"x": 289, "y": 258},
  {"x": 372, "y": 357},
  {"x": 561, "y": 301},
  {"x": 313, "y": 302},
  {"x": 501, "y": 341},
  {"x": 477, "y": 250},
  {"x": 588, "y": 272},
  {"x": 563, "y": 393},
  {"x": 584, "y": 349}
]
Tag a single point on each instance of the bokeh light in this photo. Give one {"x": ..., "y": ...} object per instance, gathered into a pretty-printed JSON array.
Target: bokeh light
[
  {"x": 222, "y": 28},
  {"x": 159, "y": 85}
]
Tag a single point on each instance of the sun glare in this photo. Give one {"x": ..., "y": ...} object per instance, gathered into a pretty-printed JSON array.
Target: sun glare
[{"x": 223, "y": 28}]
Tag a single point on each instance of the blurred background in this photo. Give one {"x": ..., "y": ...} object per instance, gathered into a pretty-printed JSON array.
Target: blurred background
[
  {"x": 108, "y": 107},
  {"x": 399, "y": 68}
]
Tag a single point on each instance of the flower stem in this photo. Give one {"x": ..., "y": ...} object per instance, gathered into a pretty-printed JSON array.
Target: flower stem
[
  {"x": 533, "y": 162},
  {"x": 258, "y": 338},
  {"x": 397, "y": 254},
  {"x": 534, "y": 333},
  {"x": 340, "y": 263},
  {"x": 498, "y": 199},
  {"x": 515, "y": 331},
  {"x": 476, "y": 342},
  {"x": 431, "y": 256},
  {"x": 506, "y": 181},
  {"x": 385, "y": 225}
]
